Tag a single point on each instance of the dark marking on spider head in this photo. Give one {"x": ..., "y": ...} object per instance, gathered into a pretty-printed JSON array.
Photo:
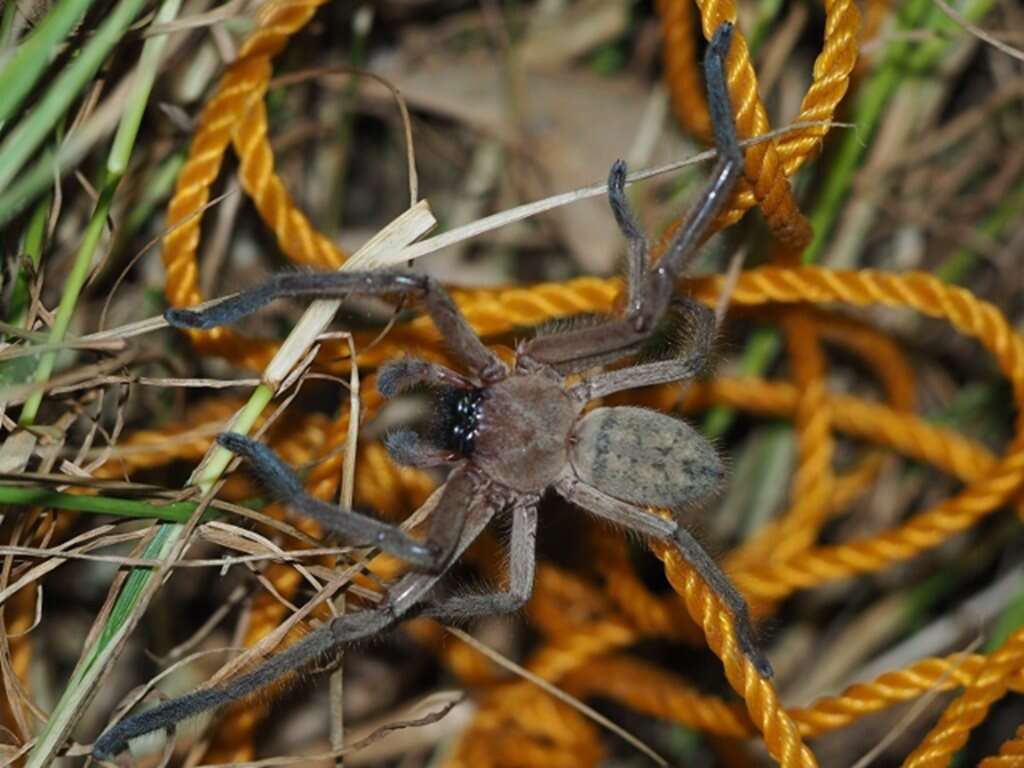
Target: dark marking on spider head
[{"x": 458, "y": 419}]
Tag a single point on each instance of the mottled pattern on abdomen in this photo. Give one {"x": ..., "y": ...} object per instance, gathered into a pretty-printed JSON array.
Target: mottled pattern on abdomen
[{"x": 644, "y": 457}]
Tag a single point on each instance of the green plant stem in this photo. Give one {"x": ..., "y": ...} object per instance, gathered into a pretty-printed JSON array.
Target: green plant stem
[
  {"x": 158, "y": 187},
  {"x": 902, "y": 58},
  {"x": 362, "y": 24},
  {"x": 174, "y": 512},
  {"x": 32, "y": 249},
  {"x": 762, "y": 348},
  {"x": 85, "y": 676},
  {"x": 69, "y": 299},
  {"x": 117, "y": 163},
  {"x": 1009, "y": 621},
  {"x": 767, "y": 13},
  {"x": 19, "y": 370},
  {"x": 955, "y": 268},
  {"x": 7, "y": 33},
  {"x": 39, "y": 123},
  {"x": 31, "y": 58}
]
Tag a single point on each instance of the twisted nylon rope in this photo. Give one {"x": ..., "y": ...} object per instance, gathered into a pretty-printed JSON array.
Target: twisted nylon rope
[
  {"x": 814, "y": 480},
  {"x": 1011, "y": 753},
  {"x": 970, "y": 709},
  {"x": 781, "y": 736},
  {"x": 896, "y": 376},
  {"x": 657, "y": 692},
  {"x": 768, "y": 164},
  {"x": 236, "y": 113},
  {"x": 19, "y": 618}
]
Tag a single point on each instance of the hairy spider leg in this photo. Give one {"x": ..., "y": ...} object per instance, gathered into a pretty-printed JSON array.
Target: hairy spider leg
[
  {"x": 637, "y": 247},
  {"x": 411, "y": 450},
  {"x": 649, "y": 524},
  {"x": 461, "y": 339},
  {"x": 397, "y": 376},
  {"x": 351, "y": 526},
  {"x": 701, "y": 325},
  {"x": 724, "y": 176},
  {"x": 651, "y": 290},
  {"x": 521, "y": 567},
  {"x": 398, "y": 600}
]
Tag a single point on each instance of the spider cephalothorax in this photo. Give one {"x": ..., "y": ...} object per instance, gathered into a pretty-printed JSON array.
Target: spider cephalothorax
[{"x": 510, "y": 434}]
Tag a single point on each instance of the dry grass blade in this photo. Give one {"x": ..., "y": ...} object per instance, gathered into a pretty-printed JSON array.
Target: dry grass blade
[
  {"x": 912, "y": 714},
  {"x": 978, "y": 32},
  {"x": 558, "y": 693},
  {"x": 522, "y": 212}
]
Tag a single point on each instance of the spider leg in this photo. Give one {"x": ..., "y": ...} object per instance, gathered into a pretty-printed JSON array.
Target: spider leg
[
  {"x": 724, "y": 176},
  {"x": 649, "y": 524},
  {"x": 410, "y": 450},
  {"x": 700, "y": 326},
  {"x": 353, "y": 527},
  {"x": 522, "y": 563},
  {"x": 397, "y": 376},
  {"x": 650, "y": 291},
  {"x": 636, "y": 242},
  {"x": 406, "y": 593},
  {"x": 461, "y": 338},
  {"x": 115, "y": 740}
]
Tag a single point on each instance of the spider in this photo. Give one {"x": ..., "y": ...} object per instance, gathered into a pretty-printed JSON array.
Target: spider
[{"x": 510, "y": 435}]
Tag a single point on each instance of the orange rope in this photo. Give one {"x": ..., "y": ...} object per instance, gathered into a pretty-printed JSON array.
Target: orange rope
[
  {"x": 659, "y": 693},
  {"x": 897, "y": 378},
  {"x": 19, "y": 616},
  {"x": 682, "y": 76},
  {"x": 780, "y": 733},
  {"x": 956, "y": 723},
  {"x": 768, "y": 164},
  {"x": 235, "y": 113},
  {"x": 1011, "y": 754}
]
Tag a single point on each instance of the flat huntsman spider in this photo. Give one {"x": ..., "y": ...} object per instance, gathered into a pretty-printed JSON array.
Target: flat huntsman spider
[{"x": 510, "y": 435}]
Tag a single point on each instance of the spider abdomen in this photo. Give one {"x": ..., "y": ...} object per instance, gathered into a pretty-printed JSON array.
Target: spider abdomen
[{"x": 644, "y": 457}]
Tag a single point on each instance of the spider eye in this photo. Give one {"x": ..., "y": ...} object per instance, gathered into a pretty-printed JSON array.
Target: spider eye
[{"x": 459, "y": 420}]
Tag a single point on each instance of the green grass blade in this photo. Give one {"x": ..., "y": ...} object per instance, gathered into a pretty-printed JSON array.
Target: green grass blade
[
  {"x": 117, "y": 162},
  {"x": 902, "y": 58},
  {"x": 175, "y": 512},
  {"x": 31, "y": 58},
  {"x": 40, "y": 122}
]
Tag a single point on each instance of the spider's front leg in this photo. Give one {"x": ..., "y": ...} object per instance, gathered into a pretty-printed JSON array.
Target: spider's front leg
[
  {"x": 522, "y": 562},
  {"x": 650, "y": 296},
  {"x": 651, "y": 288},
  {"x": 699, "y": 323},
  {"x": 353, "y": 527},
  {"x": 457, "y": 333}
]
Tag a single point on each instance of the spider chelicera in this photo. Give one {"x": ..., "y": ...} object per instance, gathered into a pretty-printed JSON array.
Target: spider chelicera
[{"x": 510, "y": 435}]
